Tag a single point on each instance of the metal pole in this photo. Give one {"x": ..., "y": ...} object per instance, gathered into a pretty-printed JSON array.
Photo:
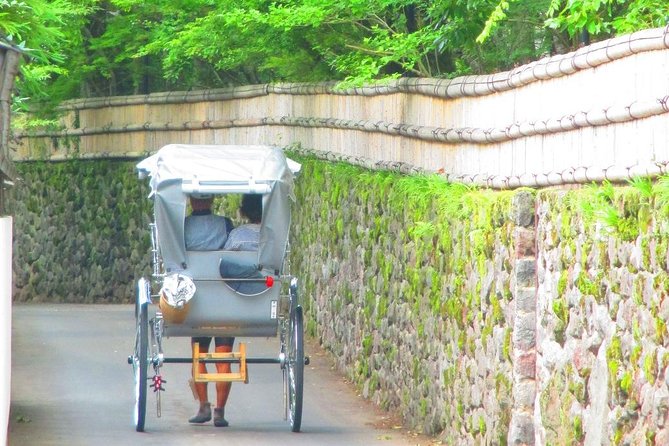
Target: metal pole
[{"x": 222, "y": 360}]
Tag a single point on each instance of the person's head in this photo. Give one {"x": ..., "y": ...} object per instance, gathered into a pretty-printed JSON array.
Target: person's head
[
  {"x": 201, "y": 203},
  {"x": 251, "y": 207}
]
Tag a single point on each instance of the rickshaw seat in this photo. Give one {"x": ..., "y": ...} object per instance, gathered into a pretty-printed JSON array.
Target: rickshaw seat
[
  {"x": 206, "y": 264},
  {"x": 227, "y": 265},
  {"x": 219, "y": 310}
]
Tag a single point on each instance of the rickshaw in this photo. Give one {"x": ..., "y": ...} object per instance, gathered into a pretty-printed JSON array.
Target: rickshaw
[{"x": 218, "y": 292}]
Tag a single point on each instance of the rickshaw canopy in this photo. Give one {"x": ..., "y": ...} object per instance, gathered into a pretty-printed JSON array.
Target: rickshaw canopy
[{"x": 179, "y": 170}]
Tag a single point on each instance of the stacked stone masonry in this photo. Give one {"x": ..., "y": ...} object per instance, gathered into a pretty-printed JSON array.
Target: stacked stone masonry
[
  {"x": 524, "y": 329},
  {"x": 480, "y": 317}
]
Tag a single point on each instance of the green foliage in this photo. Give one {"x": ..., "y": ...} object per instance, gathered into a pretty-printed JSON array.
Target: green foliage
[
  {"x": 46, "y": 30},
  {"x": 577, "y": 424},
  {"x": 625, "y": 214},
  {"x": 562, "y": 284},
  {"x": 580, "y": 15},
  {"x": 423, "y": 229},
  {"x": 507, "y": 345},
  {"x": 614, "y": 357},
  {"x": 132, "y": 46},
  {"x": 644, "y": 186},
  {"x": 650, "y": 367},
  {"x": 626, "y": 382},
  {"x": 561, "y": 311},
  {"x": 589, "y": 286},
  {"x": 353, "y": 40},
  {"x": 604, "y": 17},
  {"x": 660, "y": 329},
  {"x": 36, "y": 25},
  {"x": 661, "y": 191},
  {"x": 641, "y": 14},
  {"x": 597, "y": 203},
  {"x": 498, "y": 14}
]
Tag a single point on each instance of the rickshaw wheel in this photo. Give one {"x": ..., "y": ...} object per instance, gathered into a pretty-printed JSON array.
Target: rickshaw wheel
[
  {"x": 296, "y": 369},
  {"x": 140, "y": 362}
]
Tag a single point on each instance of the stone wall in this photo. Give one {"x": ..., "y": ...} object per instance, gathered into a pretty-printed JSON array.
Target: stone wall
[
  {"x": 409, "y": 283},
  {"x": 80, "y": 231},
  {"x": 526, "y": 317},
  {"x": 602, "y": 311},
  {"x": 481, "y": 317}
]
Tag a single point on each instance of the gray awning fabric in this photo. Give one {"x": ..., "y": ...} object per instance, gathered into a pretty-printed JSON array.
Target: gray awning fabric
[{"x": 178, "y": 170}]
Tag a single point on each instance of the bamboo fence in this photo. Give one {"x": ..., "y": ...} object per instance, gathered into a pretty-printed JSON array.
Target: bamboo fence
[{"x": 597, "y": 113}]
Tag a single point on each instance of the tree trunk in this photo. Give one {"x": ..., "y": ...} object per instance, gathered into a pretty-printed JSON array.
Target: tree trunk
[{"x": 9, "y": 66}]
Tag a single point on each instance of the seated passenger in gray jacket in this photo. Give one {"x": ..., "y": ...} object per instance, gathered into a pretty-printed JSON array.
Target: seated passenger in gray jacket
[{"x": 246, "y": 238}]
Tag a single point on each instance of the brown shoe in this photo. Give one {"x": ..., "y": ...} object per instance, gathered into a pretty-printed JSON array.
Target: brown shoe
[
  {"x": 203, "y": 415},
  {"x": 219, "y": 420}
]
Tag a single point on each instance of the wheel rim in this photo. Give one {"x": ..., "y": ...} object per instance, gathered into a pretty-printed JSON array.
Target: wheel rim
[
  {"x": 295, "y": 370},
  {"x": 140, "y": 368},
  {"x": 284, "y": 376},
  {"x": 135, "y": 369}
]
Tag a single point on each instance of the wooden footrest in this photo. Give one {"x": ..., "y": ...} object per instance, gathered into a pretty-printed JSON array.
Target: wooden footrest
[{"x": 240, "y": 357}]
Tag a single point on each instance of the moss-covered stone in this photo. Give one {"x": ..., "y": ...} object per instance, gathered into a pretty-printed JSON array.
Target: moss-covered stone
[
  {"x": 81, "y": 231},
  {"x": 439, "y": 242}
]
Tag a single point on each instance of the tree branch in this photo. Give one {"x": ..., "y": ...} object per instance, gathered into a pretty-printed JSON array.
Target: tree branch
[{"x": 368, "y": 51}]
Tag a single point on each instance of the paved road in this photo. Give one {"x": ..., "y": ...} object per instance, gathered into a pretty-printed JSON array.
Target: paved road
[{"x": 71, "y": 385}]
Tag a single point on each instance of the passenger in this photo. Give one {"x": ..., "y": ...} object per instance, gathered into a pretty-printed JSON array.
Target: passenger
[
  {"x": 247, "y": 237},
  {"x": 205, "y": 231}
]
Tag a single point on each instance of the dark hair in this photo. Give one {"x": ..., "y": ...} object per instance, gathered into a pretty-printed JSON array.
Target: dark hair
[{"x": 251, "y": 207}]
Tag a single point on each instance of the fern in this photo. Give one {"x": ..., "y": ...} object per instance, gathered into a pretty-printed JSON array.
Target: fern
[
  {"x": 643, "y": 185},
  {"x": 609, "y": 217},
  {"x": 422, "y": 229},
  {"x": 606, "y": 192},
  {"x": 661, "y": 191}
]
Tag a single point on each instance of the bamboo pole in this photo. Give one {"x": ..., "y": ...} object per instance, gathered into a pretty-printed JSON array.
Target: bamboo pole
[{"x": 169, "y": 97}]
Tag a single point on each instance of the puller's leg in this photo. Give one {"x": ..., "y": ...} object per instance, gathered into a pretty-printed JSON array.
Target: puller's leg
[
  {"x": 222, "y": 388},
  {"x": 204, "y": 412}
]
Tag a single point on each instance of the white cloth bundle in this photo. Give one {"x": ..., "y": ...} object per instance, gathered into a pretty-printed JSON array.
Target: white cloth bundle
[{"x": 177, "y": 290}]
